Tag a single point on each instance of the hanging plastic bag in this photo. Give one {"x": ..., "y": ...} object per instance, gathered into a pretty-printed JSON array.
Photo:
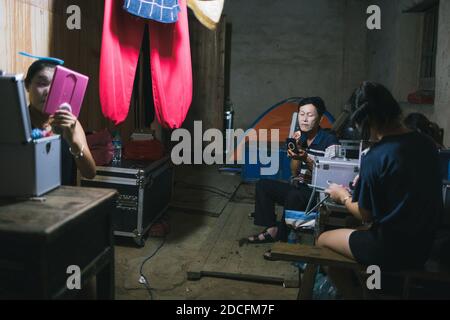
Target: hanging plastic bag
[
  {"x": 298, "y": 219},
  {"x": 324, "y": 288}
]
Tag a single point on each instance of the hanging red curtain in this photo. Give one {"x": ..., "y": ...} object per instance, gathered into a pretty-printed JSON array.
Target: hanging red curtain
[{"x": 170, "y": 58}]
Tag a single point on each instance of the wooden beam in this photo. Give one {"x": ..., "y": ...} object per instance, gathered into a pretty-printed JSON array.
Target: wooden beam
[{"x": 310, "y": 254}]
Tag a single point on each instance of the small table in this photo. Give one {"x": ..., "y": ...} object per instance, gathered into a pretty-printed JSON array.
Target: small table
[{"x": 40, "y": 240}]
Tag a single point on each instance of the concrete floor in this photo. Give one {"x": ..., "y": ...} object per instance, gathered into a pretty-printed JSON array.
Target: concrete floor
[{"x": 166, "y": 271}]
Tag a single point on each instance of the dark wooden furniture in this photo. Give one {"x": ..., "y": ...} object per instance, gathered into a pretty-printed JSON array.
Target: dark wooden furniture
[
  {"x": 317, "y": 256},
  {"x": 41, "y": 238},
  {"x": 333, "y": 216},
  {"x": 314, "y": 256}
]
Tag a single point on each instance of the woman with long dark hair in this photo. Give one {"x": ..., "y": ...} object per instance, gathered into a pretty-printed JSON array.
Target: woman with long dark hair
[
  {"x": 75, "y": 150},
  {"x": 418, "y": 122},
  {"x": 399, "y": 193}
]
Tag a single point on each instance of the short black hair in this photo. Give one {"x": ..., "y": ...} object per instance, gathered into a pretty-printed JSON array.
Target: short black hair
[
  {"x": 316, "y": 102},
  {"x": 374, "y": 104},
  {"x": 37, "y": 67}
]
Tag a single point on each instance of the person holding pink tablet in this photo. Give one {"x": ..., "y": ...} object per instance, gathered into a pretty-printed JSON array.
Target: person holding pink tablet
[{"x": 75, "y": 150}]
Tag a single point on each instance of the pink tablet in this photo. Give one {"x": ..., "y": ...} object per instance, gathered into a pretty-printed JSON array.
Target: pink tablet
[{"x": 68, "y": 87}]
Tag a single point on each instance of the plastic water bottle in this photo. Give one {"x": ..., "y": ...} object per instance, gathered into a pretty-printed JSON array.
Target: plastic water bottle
[
  {"x": 324, "y": 288},
  {"x": 117, "y": 144},
  {"x": 292, "y": 237}
]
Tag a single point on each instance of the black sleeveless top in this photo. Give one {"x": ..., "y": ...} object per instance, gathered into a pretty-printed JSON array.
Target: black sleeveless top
[{"x": 68, "y": 166}]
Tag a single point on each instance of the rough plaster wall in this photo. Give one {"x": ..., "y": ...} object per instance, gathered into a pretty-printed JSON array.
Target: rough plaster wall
[
  {"x": 382, "y": 45},
  {"x": 395, "y": 52},
  {"x": 442, "y": 103},
  {"x": 291, "y": 48},
  {"x": 355, "y": 46},
  {"x": 409, "y": 51}
]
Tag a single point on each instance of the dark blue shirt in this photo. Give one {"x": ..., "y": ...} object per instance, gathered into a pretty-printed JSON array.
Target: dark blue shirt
[
  {"x": 321, "y": 142},
  {"x": 400, "y": 184}
]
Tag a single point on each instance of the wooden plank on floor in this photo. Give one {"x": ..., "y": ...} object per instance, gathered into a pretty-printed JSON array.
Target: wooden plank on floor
[
  {"x": 198, "y": 202},
  {"x": 310, "y": 254},
  {"x": 203, "y": 189},
  {"x": 245, "y": 193},
  {"x": 221, "y": 252},
  {"x": 211, "y": 241}
]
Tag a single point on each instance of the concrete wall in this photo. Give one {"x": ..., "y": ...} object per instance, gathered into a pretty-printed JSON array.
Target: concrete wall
[
  {"x": 303, "y": 47},
  {"x": 355, "y": 65},
  {"x": 394, "y": 51},
  {"x": 289, "y": 48},
  {"x": 394, "y": 55},
  {"x": 442, "y": 102}
]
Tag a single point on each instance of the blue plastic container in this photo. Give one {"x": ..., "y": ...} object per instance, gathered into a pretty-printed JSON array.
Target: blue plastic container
[{"x": 444, "y": 156}]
